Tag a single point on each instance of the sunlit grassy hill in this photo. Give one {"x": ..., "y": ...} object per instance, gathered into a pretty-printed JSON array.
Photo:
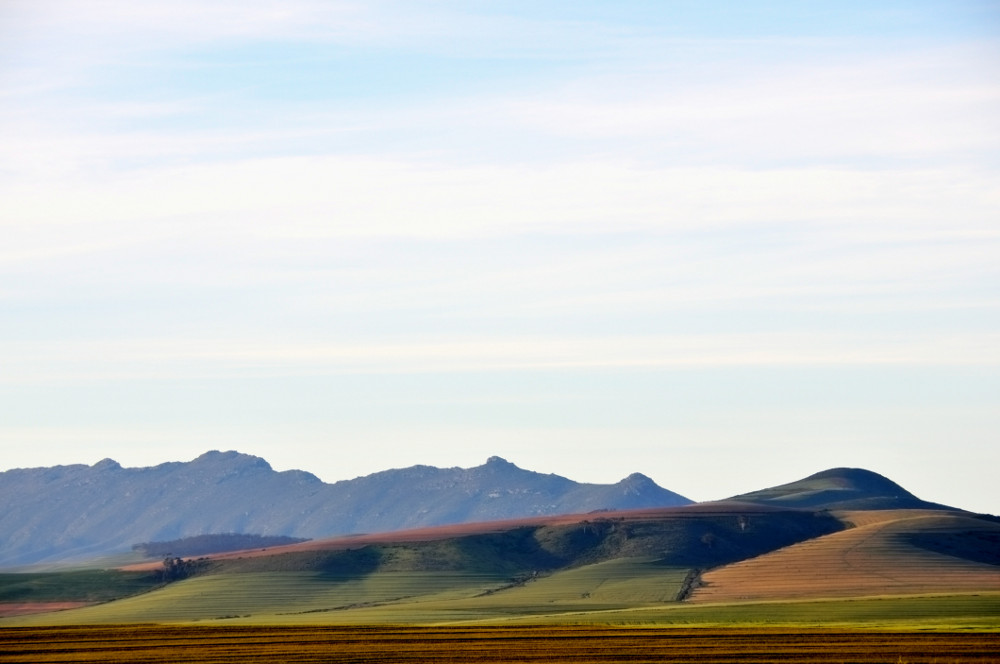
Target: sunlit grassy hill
[{"x": 588, "y": 562}]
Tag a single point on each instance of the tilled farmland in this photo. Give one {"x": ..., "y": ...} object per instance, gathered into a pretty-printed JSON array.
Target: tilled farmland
[{"x": 581, "y": 645}]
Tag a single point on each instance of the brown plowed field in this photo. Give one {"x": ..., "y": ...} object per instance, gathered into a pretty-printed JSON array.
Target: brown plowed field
[
  {"x": 878, "y": 557},
  {"x": 580, "y": 645}
]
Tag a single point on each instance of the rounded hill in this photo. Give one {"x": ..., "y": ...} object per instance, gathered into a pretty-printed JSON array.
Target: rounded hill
[{"x": 842, "y": 489}]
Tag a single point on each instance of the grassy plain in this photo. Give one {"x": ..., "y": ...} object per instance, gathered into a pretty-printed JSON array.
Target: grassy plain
[
  {"x": 969, "y": 612},
  {"x": 581, "y": 645}
]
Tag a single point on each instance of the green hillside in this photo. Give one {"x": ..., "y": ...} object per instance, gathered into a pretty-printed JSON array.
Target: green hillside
[{"x": 599, "y": 563}]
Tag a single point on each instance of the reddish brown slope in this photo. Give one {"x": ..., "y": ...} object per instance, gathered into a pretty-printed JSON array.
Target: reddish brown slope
[{"x": 890, "y": 552}]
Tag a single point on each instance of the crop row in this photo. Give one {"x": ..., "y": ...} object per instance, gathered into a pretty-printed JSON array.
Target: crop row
[{"x": 218, "y": 645}]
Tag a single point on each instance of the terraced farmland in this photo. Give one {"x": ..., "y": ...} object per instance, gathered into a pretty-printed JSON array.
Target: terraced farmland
[{"x": 888, "y": 554}]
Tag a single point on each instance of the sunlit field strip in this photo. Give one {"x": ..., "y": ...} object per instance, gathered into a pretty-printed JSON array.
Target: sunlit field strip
[
  {"x": 273, "y": 594},
  {"x": 581, "y": 645},
  {"x": 979, "y": 611},
  {"x": 972, "y": 612}
]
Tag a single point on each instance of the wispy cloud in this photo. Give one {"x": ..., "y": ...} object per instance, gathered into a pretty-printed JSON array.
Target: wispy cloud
[
  {"x": 171, "y": 359},
  {"x": 335, "y": 196},
  {"x": 927, "y": 103}
]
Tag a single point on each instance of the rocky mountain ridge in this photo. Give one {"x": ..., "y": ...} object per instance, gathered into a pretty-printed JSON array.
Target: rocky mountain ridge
[{"x": 75, "y": 512}]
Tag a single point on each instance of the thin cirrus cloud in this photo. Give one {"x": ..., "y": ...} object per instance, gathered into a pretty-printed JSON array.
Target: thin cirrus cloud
[
  {"x": 111, "y": 361},
  {"x": 862, "y": 110}
]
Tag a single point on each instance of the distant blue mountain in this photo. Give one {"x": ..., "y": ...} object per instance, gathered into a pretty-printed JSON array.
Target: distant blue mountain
[{"x": 77, "y": 512}]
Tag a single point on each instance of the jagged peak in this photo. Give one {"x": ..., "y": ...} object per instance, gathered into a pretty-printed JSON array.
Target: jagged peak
[
  {"x": 107, "y": 464},
  {"x": 232, "y": 457},
  {"x": 637, "y": 484},
  {"x": 499, "y": 462},
  {"x": 637, "y": 478}
]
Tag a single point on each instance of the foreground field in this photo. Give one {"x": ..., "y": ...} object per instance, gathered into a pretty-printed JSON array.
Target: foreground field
[{"x": 581, "y": 645}]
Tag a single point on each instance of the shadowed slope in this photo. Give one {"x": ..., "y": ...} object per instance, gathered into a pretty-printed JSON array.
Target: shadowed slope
[{"x": 901, "y": 552}]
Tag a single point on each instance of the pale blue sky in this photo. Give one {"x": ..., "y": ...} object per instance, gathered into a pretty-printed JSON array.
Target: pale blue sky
[{"x": 724, "y": 244}]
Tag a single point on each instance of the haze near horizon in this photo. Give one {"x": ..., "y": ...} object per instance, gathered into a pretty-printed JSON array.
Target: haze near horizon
[{"x": 727, "y": 245}]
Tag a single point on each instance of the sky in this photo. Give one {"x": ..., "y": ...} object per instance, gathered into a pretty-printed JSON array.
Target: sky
[{"x": 724, "y": 244}]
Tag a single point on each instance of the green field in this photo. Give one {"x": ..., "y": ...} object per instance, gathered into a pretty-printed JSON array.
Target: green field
[{"x": 975, "y": 612}]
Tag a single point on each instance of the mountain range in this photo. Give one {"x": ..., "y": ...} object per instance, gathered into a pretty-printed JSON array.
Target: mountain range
[
  {"x": 841, "y": 546},
  {"x": 76, "y": 512}
]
